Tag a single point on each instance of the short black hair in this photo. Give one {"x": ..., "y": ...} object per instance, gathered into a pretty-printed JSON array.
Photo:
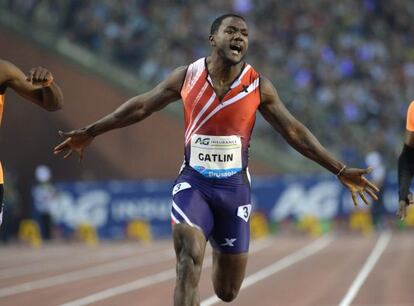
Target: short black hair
[{"x": 217, "y": 23}]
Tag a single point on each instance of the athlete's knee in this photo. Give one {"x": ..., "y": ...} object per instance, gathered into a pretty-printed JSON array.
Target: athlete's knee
[{"x": 226, "y": 294}]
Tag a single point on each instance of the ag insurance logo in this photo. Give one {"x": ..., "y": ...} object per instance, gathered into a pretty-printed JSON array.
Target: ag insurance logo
[{"x": 204, "y": 141}]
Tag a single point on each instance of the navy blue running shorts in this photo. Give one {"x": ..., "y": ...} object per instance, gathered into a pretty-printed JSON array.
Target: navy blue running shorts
[{"x": 219, "y": 207}]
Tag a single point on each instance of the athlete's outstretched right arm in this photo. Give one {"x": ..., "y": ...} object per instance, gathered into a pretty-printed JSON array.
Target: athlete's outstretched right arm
[{"x": 132, "y": 111}]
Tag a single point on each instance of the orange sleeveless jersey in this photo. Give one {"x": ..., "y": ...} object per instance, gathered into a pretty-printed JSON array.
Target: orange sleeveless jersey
[
  {"x": 234, "y": 114},
  {"x": 1, "y": 116},
  {"x": 410, "y": 117}
]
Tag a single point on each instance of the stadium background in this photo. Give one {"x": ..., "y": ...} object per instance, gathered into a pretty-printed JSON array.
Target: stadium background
[{"x": 346, "y": 70}]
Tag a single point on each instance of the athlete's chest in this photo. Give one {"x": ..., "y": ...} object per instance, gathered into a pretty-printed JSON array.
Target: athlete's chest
[
  {"x": 228, "y": 103},
  {"x": 221, "y": 88}
]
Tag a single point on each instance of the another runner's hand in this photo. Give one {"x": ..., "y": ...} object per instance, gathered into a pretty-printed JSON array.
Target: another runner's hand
[
  {"x": 40, "y": 76},
  {"x": 76, "y": 141},
  {"x": 357, "y": 184},
  {"x": 402, "y": 206}
]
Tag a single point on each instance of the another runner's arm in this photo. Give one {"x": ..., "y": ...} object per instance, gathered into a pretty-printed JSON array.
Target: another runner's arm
[
  {"x": 406, "y": 159},
  {"x": 293, "y": 131},
  {"x": 37, "y": 86},
  {"x": 141, "y": 106},
  {"x": 406, "y": 167}
]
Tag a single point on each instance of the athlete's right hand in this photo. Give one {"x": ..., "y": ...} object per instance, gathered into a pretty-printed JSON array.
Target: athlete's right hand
[
  {"x": 402, "y": 206},
  {"x": 76, "y": 141}
]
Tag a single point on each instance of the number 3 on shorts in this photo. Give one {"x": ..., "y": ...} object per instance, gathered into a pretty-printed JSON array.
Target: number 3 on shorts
[{"x": 244, "y": 212}]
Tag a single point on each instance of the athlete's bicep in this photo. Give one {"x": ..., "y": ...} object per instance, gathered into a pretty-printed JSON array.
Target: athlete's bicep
[
  {"x": 167, "y": 91},
  {"x": 274, "y": 111}
]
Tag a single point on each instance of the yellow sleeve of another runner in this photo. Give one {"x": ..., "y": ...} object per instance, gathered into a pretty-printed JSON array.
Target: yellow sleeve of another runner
[
  {"x": 1, "y": 174},
  {"x": 410, "y": 117}
]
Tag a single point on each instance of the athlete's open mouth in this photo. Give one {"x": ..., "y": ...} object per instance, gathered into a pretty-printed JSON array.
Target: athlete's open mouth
[{"x": 236, "y": 48}]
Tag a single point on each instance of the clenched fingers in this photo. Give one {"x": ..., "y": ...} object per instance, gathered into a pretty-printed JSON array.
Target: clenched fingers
[{"x": 40, "y": 75}]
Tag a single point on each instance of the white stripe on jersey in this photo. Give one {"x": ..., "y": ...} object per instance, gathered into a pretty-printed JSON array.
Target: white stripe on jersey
[
  {"x": 204, "y": 109},
  {"x": 200, "y": 94},
  {"x": 237, "y": 83}
]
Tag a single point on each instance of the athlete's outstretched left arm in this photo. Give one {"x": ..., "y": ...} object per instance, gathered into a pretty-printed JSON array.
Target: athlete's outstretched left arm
[
  {"x": 132, "y": 111},
  {"x": 299, "y": 137},
  {"x": 38, "y": 86}
]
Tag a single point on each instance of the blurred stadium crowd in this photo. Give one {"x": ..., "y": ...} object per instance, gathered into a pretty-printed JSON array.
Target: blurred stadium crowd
[{"x": 345, "y": 69}]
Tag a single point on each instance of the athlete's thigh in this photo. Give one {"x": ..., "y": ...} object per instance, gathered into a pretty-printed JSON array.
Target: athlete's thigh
[
  {"x": 230, "y": 237},
  {"x": 192, "y": 221},
  {"x": 190, "y": 206},
  {"x": 231, "y": 210}
]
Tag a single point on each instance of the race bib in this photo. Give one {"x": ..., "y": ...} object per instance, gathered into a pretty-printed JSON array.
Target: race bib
[{"x": 216, "y": 156}]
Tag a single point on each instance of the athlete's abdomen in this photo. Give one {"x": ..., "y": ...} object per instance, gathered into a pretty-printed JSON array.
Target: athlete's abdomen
[{"x": 232, "y": 120}]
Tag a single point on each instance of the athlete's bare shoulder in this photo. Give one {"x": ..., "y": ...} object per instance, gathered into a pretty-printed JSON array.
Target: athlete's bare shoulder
[
  {"x": 268, "y": 92},
  {"x": 176, "y": 79}
]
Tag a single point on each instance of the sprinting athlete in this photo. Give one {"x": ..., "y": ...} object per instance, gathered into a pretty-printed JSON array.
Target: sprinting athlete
[
  {"x": 37, "y": 86},
  {"x": 211, "y": 197},
  {"x": 406, "y": 166}
]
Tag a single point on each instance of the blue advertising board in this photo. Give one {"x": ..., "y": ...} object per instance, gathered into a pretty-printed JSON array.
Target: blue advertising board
[{"x": 110, "y": 206}]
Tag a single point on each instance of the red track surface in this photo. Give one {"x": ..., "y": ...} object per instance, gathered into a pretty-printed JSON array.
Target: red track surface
[{"x": 61, "y": 273}]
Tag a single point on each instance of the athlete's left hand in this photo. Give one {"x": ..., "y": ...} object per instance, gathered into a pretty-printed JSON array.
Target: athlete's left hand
[
  {"x": 357, "y": 184},
  {"x": 40, "y": 76}
]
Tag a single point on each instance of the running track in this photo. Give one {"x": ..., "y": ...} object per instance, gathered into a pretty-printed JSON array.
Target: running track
[{"x": 283, "y": 270}]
